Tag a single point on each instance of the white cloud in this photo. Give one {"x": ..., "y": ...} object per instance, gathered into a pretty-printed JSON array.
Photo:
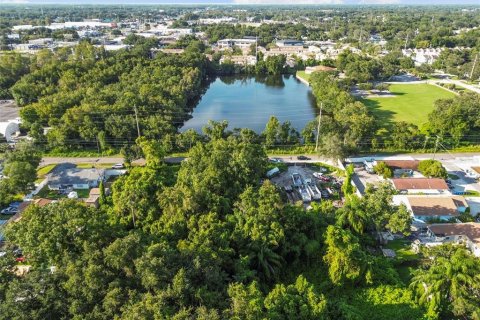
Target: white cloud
[{"x": 291, "y": 2}]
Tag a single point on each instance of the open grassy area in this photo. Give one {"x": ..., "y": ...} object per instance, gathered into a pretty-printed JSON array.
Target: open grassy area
[
  {"x": 403, "y": 249},
  {"x": 412, "y": 103},
  {"x": 303, "y": 75},
  {"x": 94, "y": 165},
  {"x": 43, "y": 171},
  {"x": 55, "y": 195}
]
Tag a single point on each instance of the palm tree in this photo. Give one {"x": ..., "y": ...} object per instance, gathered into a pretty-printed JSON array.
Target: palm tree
[
  {"x": 266, "y": 261},
  {"x": 450, "y": 284},
  {"x": 352, "y": 216}
]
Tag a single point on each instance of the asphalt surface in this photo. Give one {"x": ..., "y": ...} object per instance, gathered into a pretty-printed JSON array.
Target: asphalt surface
[{"x": 284, "y": 158}]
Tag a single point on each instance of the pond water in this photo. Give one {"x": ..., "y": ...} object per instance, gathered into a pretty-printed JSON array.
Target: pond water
[{"x": 248, "y": 102}]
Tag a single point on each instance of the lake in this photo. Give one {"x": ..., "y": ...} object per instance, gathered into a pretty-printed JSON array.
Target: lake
[{"x": 248, "y": 102}]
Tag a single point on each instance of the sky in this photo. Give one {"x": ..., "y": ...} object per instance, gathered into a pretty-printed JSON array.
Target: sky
[{"x": 289, "y": 2}]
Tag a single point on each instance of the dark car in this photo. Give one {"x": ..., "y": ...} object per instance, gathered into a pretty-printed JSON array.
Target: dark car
[{"x": 303, "y": 158}]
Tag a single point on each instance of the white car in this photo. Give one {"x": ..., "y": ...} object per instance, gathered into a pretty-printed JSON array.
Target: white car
[
  {"x": 118, "y": 166},
  {"x": 317, "y": 175}
]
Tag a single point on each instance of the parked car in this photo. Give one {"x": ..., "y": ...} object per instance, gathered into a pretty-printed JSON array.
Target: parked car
[
  {"x": 9, "y": 210},
  {"x": 303, "y": 158},
  {"x": 118, "y": 166},
  {"x": 275, "y": 160},
  {"x": 317, "y": 175}
]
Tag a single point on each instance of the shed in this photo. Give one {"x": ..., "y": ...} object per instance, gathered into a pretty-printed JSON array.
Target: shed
[{"x": 9, "y": 130}]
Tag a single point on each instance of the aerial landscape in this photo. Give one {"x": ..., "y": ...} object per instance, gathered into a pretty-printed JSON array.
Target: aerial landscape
[{"x": 240, "y": 159}]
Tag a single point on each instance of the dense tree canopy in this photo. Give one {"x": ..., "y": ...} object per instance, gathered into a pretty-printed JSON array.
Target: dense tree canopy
[{"x": 207, "y": 241}]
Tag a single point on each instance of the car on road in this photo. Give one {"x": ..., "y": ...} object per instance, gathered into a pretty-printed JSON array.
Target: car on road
[
  {"x": 275, "y": 160},
  {"x": 303, "y": 158},
  {"x": 118, "y": 166},
  {"x": 9, "y": 210}
]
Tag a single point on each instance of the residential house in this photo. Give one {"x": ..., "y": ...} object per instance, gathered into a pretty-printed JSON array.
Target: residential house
[
  {"x": 421, "y": 185},
  {"x": 94, "y": 197},
  {"x": 466, "y": 233},
  {"x": 240, "y": 60},
  {"x": 427, "y": 208},
  {"x": 402, "y": 167},
  {"x": 67, "y": 175}
]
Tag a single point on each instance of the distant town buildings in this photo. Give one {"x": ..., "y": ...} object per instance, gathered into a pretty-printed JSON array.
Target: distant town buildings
[
  {"x": 240, "y": 43},
  {"x": 423, "y": 56}
]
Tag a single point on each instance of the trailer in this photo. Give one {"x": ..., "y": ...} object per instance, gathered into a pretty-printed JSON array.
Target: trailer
[
  {"x": 314, "y": 191},
  {"x": 306, "y": 197}
]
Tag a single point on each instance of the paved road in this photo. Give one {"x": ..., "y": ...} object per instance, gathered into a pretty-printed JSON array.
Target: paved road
[
  {"x": 112, "y": 160},
  {"x": 451, "y": 81},
  {"x": 284, "y": 158},
  {"x": 54, "y": 160},
  {"x": 462, "y": 84},
  {"x": 421, "y": 156}
]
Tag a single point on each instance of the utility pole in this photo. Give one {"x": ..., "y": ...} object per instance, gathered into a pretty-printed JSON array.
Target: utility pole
[
  {"x": 436, "y": 146},
  {"x": 473, "y": 67},
  {"x": 425, "y": 144},
  {"x": 136, "y": 120},
  {"x": 318, "y": 127}
]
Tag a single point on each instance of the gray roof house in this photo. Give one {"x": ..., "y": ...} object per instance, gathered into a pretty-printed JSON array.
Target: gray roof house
[{"x": 67, "y": 175}]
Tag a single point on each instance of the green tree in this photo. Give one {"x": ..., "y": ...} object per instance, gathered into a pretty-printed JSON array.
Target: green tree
[
  {"x": 344, "y": 257},
  {"x": 382, "y": 169},
  {"x": 432, "y": 169},
  {"x": 295, "y": 301},
  {"x": 271, "y": 132},
  {"x": 449, "y": 284}
]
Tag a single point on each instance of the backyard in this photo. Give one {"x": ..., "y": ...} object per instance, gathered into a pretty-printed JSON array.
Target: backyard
[{"x": 412, "y": 103}]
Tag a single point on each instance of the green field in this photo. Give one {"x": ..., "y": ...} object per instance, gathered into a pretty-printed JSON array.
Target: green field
[
  {"x": 303, "y": 75},
  {"x": 412, "y": 103}
]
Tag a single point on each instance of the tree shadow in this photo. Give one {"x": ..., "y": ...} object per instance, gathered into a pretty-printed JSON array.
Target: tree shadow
[{"x": 384, "y": 118}]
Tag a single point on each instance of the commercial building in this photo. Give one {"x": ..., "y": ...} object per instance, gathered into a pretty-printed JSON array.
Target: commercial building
[{"x": 241, "y": 43}]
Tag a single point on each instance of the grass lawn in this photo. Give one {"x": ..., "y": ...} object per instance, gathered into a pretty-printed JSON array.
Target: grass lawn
[
  {"x": 55, "y": 195},
  {"x": 412, "y": 103},
  {"x": 94, "y": 165},
  {"x": 403, "y": 249},
  {"x": 303, "y": 75},
  {"x": 41, "y": 172}
]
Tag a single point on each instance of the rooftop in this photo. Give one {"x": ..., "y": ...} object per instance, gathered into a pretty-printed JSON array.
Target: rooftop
[
  {"x": 420, "y": 184},
  {"x": 68, "y": 174},
  {"x": 436, "y": 206},
  {"x": 469, "y": 229},
  {"x": 42, "y": 202},
  {"x": 402, "y": 164}
]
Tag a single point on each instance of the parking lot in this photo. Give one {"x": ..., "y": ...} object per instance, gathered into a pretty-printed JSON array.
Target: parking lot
[{"x": 327, "y": 183}]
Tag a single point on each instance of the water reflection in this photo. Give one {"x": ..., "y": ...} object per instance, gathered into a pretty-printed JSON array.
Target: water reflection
[{"x": 248, "y": 102}]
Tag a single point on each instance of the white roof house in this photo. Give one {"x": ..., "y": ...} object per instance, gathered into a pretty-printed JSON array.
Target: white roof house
[{"x": 9, "y": 130}]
